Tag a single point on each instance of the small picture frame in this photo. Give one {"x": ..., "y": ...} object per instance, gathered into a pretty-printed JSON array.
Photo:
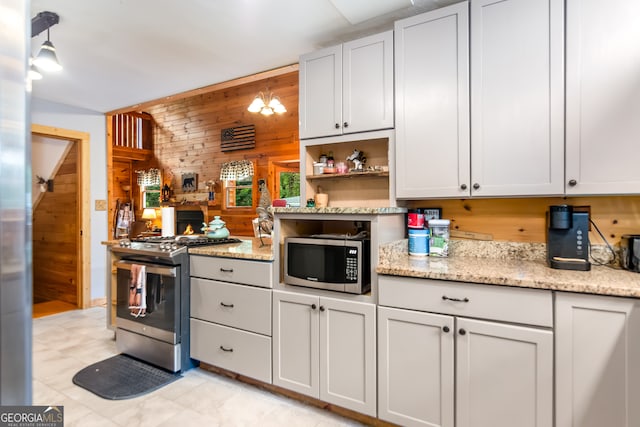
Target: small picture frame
[{"x": 189, "y": 182}]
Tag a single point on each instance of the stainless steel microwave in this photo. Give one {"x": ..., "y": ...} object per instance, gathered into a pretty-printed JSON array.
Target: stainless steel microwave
[{"x": 335, "y": 263}]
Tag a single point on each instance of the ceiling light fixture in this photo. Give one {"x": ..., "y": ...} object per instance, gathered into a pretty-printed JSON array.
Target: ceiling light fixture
[
  {"x": 266, "y": 105},
  {"x": 46, "y": 60}
]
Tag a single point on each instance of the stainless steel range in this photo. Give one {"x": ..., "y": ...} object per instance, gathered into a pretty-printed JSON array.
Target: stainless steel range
[{"x": 152, "y": 302}]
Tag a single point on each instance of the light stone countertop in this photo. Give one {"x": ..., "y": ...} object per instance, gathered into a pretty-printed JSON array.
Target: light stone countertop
[
  {"x": 249, "y": 248},
  {"x": 506, "y": 263},
  {"x": 341, "y": 210}
]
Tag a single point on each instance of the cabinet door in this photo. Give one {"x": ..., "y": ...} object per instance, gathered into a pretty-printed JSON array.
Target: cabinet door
[
  {"x": 504, "y": 375},
  {"x": 348, "y": 354},
  {"x": 320, "y": 89},
  {"x": 415, "y": 368},
  {"x": 603, "y": 97},
  {"x": 367, "y": 98},
  {"x": 597, "y": 354},
  {"x": 432, "y": 104},
  {"x": 295, "y": 342},
  {"x": 517, "y": 97}
]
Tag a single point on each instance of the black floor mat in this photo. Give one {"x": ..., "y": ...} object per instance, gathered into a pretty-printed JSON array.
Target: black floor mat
[{"x": 122, "y": 377}]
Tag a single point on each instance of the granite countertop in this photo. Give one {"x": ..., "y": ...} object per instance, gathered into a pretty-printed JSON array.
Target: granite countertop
[
  {"x": 248, "y": 248},
  {"x": 509, "y": 264},
  {"x": 339, "y": 210}
]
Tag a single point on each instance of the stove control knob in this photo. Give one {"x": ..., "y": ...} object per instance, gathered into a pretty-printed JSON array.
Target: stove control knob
[
  {"x": 163, "y": 246},
  {"x": 174, "y": 246}
]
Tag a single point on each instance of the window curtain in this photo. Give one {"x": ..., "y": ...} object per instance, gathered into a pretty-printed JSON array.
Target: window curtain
[
  {"x": 233, "y": 171},
  {"x": 149, "y": 177}
]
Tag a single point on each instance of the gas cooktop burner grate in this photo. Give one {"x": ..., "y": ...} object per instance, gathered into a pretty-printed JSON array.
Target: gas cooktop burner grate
[{"x": 186, "y": 240}]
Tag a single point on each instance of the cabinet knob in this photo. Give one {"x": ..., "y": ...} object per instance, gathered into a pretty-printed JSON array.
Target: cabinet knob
[
  {"x": 572, "y": 183},
  {"x": 322, "y": 308},
  {"x": 345, "y": 124},
  {"x": 463, "y": 187},
  {"x": 313, "y": 306},
  {"x": 337, "y": 125},
  {"x": 462, "y": 331},
  {"x": 476, "y": 186},
  {"x": 445, "y": 329}
]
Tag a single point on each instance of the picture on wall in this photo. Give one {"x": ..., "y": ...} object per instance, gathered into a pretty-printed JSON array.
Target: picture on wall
[{"x": 189, "y": 182}]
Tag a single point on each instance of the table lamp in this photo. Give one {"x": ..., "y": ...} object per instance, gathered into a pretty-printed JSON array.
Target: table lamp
[{"x": 150, "y": 214}]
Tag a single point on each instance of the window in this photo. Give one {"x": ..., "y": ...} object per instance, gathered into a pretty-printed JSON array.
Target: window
[
  {"x": 239, "y": 194},
  {"x": 150, "y": 196},
  {"x": 290, "y": 187}
]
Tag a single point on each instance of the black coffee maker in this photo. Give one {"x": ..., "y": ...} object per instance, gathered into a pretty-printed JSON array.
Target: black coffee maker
[{"x": 568, "y": 238}]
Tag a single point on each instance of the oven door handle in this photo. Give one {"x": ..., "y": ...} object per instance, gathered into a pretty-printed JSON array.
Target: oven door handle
[{"x": 154, "y": 269}]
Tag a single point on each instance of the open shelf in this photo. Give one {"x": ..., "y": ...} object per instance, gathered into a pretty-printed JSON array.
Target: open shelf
[{"x": 349, "y": 175}]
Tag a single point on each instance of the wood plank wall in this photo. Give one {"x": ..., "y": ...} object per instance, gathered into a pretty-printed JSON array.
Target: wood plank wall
[
  {"x": 523, "y": 219},
  {"x": 55, "y": 236},
  {"x": 187, "y": 139}
]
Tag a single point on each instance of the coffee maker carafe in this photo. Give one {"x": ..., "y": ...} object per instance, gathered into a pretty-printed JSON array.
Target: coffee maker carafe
[{"x": 568, "y": 238}]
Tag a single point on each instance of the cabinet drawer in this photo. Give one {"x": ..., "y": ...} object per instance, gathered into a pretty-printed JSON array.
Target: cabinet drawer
[
  {"x": 517, "y": 305},
  {"x": 232, "y": 349},
  {"x": 256, "y": 273},
  {"x": 238, "y": 306}
]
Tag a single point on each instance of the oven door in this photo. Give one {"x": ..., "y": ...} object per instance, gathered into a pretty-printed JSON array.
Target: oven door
[{"x": 149, "y": 304}]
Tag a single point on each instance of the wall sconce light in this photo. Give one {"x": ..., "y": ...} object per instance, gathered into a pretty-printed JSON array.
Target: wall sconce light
[
  {"x": 150, "y": 214},
  {"x": 46, "y": 60},
  {"x": 45, "y": 184},
  {"x": 266, "y": 105}
]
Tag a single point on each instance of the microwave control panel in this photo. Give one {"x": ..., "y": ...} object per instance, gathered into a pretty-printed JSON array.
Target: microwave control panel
[{"x": 351, "y": 273}]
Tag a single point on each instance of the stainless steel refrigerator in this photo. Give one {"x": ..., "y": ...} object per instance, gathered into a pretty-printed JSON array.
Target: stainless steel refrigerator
[{"x": 15, "y": 205}]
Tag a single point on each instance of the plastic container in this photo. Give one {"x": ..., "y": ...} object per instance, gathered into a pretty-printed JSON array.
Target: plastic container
[
  {"x": 318, "y": 168},
  {"x": 439, "y": 238},
  {"x": 418, "y": 242},
  {"x": 415, "y": 218}
]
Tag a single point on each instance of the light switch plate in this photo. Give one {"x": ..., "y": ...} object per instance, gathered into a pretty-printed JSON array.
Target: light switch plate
[{"x": 101, "y": 205}]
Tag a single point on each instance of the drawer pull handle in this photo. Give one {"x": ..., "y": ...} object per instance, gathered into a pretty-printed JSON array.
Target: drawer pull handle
[
  {"x": 446, "y": 298},
  {"x": 226, "y": 305},
  {"x": 313, "y": 306},
  {"x": 445, "y": 329},
  {"x": 226, "y": 270},
  {"x": 462, "y": 331},
  {"x": 229, "y": 350}
]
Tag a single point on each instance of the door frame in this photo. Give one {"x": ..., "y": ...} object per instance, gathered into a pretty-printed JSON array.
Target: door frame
[{"x": 84, "y": 213}]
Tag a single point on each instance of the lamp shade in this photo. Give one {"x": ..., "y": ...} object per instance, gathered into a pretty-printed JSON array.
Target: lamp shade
[
  {"x": 47, "y": 59},
  {"x": 149, "y": 213}
]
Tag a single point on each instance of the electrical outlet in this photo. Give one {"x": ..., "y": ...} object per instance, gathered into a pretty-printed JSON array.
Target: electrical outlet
[
  {"x": 432, "y": 213},
  {"x": 101, "y": 205}
]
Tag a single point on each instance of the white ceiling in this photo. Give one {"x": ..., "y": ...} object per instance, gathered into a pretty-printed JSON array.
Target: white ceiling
[{"x": 117, "y": 53}]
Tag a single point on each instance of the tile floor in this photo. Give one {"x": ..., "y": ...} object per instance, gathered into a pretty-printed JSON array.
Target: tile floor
[{"x": 67, "y": 342}]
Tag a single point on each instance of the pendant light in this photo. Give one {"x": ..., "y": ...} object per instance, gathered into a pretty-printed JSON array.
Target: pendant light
[
  {"x": 34, "y": 73},
  {"x": 47, "y": 59}
]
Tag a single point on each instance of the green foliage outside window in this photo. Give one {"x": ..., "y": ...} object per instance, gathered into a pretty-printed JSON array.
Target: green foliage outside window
[
  {"x": 151, "y": 196},
  {"x": 289, "y": 184}
]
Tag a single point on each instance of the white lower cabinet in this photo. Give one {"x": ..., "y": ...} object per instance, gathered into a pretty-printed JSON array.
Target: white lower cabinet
[
  {"x": 231, "y": 322},
  {"x": 448, "y": 370},
  {"x": 325, "y": 348},
  {"x": 597, "y": 361}
]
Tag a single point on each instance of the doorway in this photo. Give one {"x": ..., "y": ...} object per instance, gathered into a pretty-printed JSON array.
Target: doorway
[{"x": 61, "y": 236}]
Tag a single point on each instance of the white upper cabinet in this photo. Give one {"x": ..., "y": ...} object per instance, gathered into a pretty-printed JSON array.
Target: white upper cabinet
[
  {"x": 432, "y": 104},
  {"x": 603, "y": 97},
  {"x": 517, "y": 97},
  {"x": 347, "y": 88}
]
